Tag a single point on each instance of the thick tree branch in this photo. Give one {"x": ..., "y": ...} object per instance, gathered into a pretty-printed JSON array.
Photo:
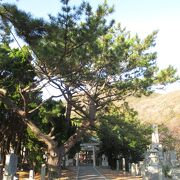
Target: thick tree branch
[
  {"x": 23, "y": 97},
  {"x": 37, "y": 107},
  {"x": 77, "y": 136},
  {"x": 41, "y": 136},
  {"x": 70, "y": 101}
]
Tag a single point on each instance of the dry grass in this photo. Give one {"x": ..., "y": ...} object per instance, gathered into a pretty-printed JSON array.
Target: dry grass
[
  {"x": 71, "y": 172},
  {"x": 67, "y": 174},
  {"x": 25, "y": 175},
  {"x": 158, "y": 108},
  {"x": 117, "y": 175}
]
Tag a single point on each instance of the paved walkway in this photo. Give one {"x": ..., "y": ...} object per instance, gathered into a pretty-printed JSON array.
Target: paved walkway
[{"x": 89, "y": 173}]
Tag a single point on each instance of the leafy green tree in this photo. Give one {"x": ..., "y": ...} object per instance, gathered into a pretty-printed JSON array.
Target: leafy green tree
[
  {"x": 91, "y": 62},
  {"x": 13, "y": 63},
  {"x": 17, "y": 76},
  {"x": 123, "y": 135},
  {"x": 16, "y": 73},
  {"x": 50, "y": 115},
  {"x": 12, "y": 131}
]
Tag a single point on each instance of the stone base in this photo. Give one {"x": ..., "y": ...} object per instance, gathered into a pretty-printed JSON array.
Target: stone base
[
  {"x": 6, "y": 177},
  {"x": 105, "y": 164}
]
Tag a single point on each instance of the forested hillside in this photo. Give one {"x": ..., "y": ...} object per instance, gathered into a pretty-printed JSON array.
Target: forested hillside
[{"x": 161, "y": 109}]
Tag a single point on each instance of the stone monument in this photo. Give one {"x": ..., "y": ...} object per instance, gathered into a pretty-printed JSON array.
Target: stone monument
[
  {"x": 104, "y": 160},
  {"x": 152, "y": 166},
  {"x": 123, "y": 164},
  {"x": 43, "y": 171},
  {"x": 157, "y": 163},
  {"x": 155, "y": 137},
  {"x": 133, "y": 169},
  {"x": 10, "y": 166}
]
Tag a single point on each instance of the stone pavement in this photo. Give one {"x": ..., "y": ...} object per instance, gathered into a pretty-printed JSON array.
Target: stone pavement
[{"x": 89, "y": 173}]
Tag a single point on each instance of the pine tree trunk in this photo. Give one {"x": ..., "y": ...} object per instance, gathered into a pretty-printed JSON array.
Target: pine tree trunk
[{"x": 54, "y": 163}]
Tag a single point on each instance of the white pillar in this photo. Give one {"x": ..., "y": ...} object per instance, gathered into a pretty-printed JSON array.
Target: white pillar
[
  {"x": 141, "y": 168},
  {"x": 94, "y": 156},
  {"x": 31, "y": 175},
  {"x": 133, "y": 169},
  {"x": 66, "y": 160},
  {"x": 129, "y": 166},
  {"x": 136, "y": 169},
  {"x": 124, "y": 164},
  {"x": 77, "y": 159},
  {"x": 117, "y": 164}
]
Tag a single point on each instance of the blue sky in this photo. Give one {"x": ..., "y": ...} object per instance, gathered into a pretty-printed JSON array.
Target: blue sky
[{"x": 138, "y": 16}]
